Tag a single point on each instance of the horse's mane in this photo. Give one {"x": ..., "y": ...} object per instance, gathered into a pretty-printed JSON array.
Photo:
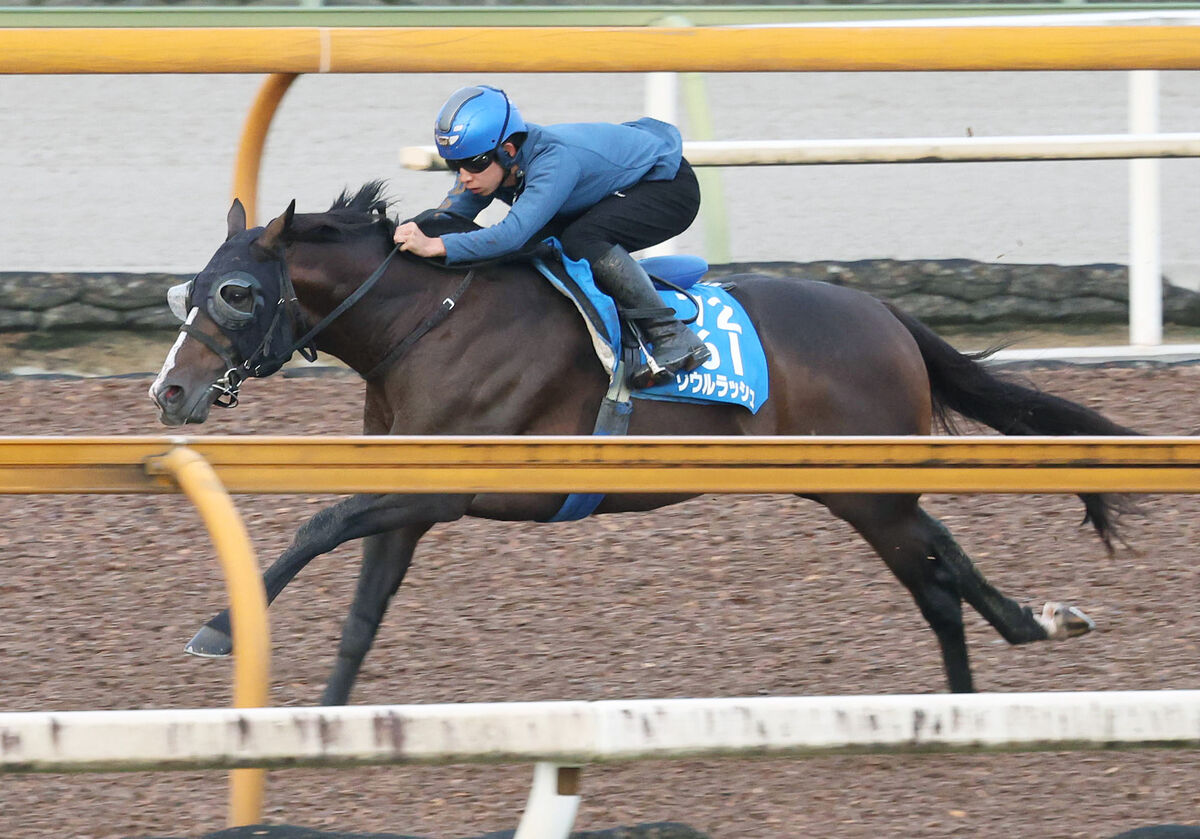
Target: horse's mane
[{"x": 351, "y": 216}]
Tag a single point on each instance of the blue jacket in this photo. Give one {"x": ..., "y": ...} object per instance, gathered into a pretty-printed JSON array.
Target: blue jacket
[{"x": 564, "y": 170}]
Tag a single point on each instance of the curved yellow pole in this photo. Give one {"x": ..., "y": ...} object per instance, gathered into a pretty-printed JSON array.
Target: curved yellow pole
[
  {"x": 248, "y": 609},
  {"x": 254, "y": 139}
]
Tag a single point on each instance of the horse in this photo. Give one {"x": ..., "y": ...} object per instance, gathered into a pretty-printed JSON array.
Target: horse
[{"x": 495, "y": 350}]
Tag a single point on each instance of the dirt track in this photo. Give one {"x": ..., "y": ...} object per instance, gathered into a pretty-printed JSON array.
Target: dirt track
[{"x": 718, "y": 597}]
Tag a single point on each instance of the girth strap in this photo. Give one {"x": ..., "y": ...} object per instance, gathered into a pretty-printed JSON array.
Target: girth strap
[{"x": 439, "y": 314}]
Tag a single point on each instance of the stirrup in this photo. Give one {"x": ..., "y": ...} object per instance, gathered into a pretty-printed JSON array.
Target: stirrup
[
  {"x": 653, "y": 372},
  {"x": 650, "y": 374}
]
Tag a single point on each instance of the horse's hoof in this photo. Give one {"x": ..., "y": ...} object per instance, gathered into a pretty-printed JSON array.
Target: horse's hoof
[
  {"x": 1062, "y": 621},
  {"x": 210, "y": 643}
]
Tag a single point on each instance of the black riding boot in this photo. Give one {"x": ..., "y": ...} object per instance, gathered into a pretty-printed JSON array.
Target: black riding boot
[{"x": 674, "y": 347}]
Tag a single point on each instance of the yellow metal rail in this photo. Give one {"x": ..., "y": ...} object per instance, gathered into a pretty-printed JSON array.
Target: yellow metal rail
[
  {"x": 248, "y": 609},
  {"x": 598, "y": 464},
  {"x": 576, "y": 49},
  {"x": 172, "y": 468}
]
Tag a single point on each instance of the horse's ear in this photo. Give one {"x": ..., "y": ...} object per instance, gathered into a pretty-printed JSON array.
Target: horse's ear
[
  {"x": 236, "y": 219},
  {"x": 273, "y": 237}
]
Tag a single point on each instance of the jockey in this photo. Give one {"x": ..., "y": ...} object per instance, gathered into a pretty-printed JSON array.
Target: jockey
[{"x": 603, "y": 189}]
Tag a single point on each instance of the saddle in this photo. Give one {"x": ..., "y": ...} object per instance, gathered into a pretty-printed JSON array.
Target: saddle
[{"x": 737, "y": 372}]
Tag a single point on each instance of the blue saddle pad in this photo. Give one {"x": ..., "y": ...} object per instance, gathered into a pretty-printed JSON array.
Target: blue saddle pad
[{"x": 736, "y": 373}]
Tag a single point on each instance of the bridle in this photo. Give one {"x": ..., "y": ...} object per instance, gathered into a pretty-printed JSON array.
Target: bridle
[{"x": 262, "y": 362}]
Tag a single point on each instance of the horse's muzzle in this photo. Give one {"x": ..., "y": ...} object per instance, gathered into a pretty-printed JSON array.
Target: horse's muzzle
[{"x": 175, "y": 408}]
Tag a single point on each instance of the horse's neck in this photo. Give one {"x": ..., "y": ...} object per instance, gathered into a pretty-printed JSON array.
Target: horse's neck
[
  {"x": 393, "y": 309},
  {"x": 326, "y": 275},
  {"x": 509, "y": 344}
]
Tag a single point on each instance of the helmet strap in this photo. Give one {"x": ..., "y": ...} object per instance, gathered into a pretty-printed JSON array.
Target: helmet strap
[{"x": 503, "y": 157}]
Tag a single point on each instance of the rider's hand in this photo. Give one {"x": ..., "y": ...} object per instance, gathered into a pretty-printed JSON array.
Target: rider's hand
[{"x": 410, "y": 238}]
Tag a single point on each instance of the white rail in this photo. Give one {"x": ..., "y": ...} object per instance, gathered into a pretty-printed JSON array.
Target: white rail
[
  {"x": 1162, "y": 353},
  {"x": 579, "y": 732},
  {"x": 560, "y": 736},
  {"x": 1145, "y": 228},
  {"x": 908, "y": 150}
]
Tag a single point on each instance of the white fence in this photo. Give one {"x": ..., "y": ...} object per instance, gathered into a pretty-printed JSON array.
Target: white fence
[
  {"x": 561, "y": 736},
  {"x": 578, "y": 732}
]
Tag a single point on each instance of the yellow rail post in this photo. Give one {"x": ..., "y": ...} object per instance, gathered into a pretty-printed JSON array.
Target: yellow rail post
[
  {"x": 254, "y": 139},
  {"x": 248, "y": 607}
]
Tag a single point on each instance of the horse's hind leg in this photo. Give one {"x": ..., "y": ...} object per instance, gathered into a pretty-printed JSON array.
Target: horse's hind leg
[
  {"x": 893, "y": 526},
  {"x": 937, "y": 572},
  {"x": 1016, "y": 624},
  {"x": 386, "y": 558}
]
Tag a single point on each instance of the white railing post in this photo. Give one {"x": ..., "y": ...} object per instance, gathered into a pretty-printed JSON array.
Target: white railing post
[
  {"x": 1145, "y": 259},
  {"x": 662, "y": 94},
  {"x": 553, "y": 802}
]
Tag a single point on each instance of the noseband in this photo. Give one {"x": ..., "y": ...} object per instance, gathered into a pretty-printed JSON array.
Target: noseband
[{"x": 226, "y": 386}]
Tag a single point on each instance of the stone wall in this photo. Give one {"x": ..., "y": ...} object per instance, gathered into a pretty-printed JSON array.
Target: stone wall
[
  {"x": 939, "y": 292},
  {"x": 964, "y": 292},
  {"x": 44, "y": 302}
]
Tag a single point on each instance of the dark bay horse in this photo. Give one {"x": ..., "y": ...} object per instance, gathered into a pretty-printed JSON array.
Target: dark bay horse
[{"x": 512, "y": 357}]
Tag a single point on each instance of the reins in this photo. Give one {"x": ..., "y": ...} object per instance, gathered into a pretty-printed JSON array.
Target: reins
[
  {"x": 439, "y": 314},
  {"x": 444, "y": 308},
  {"x": 259, "y": 361},
  {"x": 262, "y": 362},
  {"x": 357, "y": 295}
]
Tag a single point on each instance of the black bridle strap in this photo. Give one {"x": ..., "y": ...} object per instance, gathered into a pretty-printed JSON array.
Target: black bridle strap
[
  {"x": 222, "y": 353},
  {"x": 439, "y": 314},
  {"x": 345, "y": 304},
  {"x": 258, "y": 359},
  {"x": 250, "y": 365}
]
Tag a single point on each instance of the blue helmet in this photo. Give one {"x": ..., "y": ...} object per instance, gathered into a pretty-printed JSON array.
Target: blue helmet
[{"x": 475, "y": 120}]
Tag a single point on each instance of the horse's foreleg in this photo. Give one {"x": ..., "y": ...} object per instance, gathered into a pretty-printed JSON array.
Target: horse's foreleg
[
  {"x": 892, "y": 527},
  {"x": 352, "y": 518},
  {"x": 1016, "y": 624},
  {"x": 386, "y": 558}
]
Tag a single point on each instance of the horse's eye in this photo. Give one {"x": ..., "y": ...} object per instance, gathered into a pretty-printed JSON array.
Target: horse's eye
[{"x": 239, "y": 297}]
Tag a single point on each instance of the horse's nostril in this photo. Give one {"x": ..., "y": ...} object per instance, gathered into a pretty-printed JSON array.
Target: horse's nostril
[{"x": 172, "y": 393}]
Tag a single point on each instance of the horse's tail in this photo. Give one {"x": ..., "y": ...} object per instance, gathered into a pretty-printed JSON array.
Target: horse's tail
[{"x": 959, "y": 383}]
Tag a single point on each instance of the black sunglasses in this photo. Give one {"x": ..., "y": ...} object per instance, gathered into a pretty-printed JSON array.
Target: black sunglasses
[{"x": 474, "y": 165}]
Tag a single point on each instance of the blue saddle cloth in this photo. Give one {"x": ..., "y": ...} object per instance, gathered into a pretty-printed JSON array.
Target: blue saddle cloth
[{"x": 737, "y": 372}]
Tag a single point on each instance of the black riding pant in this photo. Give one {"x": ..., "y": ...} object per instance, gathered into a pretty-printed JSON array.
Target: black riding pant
[{"x": 645, "y": 214}]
